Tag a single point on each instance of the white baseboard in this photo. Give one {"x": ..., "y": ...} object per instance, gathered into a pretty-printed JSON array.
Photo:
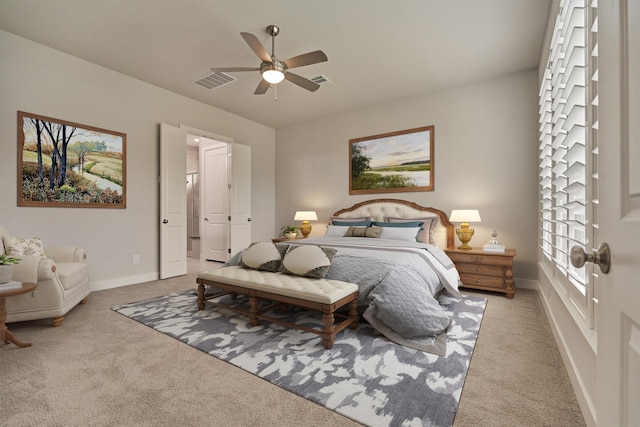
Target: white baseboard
[
  {"x": 526, "y": 284},
  {"x": 124, "y": 281},
  {"x": 579, "y": 388}
]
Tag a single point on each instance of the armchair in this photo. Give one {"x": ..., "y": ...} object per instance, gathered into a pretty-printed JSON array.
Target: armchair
[{"x": 63, "y": 281}]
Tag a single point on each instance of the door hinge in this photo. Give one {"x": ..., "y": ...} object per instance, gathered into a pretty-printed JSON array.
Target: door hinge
[
  {"x": 229, "y": 250},
  {"x": 228, "y": 185},
  {"x": 229, "y": 218}
]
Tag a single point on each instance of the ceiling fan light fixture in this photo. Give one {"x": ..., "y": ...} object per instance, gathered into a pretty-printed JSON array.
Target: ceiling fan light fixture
[{"x": 272, "y": 72}]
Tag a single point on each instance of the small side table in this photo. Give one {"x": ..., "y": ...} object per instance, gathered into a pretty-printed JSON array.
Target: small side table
[{"x": 5, "y": 334}]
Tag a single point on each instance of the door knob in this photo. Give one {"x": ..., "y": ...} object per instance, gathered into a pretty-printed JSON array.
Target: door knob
[
  {"x": 165, "y": 221},
  {"x": 601, "y": 256},
  {"x": 249, "y": 219}
]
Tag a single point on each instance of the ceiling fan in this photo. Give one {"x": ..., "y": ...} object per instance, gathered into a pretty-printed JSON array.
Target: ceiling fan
[{"x": 273, "y": 70}]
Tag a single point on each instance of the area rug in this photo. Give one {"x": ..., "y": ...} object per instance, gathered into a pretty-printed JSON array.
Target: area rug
[{"x": 364, "y": 376}]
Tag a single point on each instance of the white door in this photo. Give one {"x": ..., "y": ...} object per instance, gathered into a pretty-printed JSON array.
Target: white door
[
  {"x": 173, "y": 201},
  {"x": 618, "y": 308},
  {"x": 216, "y": 203},
  {"x": 240, "y": 197}
]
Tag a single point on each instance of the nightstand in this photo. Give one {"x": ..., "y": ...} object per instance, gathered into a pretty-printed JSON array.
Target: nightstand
[{"x": 488, "y": 271}]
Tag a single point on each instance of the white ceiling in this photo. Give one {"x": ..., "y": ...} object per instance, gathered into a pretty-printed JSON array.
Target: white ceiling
[{"x": 378, "y": 50}]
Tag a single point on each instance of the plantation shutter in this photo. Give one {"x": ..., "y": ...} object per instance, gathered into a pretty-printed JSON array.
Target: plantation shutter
[{"x": 568, "y": 104}]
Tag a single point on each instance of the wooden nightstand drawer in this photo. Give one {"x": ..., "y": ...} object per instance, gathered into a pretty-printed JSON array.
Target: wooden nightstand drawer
[
  {"x": 485, "y": 270},
  {"x": 481, "y": 258},
  {"x": 470, "y": 280}
]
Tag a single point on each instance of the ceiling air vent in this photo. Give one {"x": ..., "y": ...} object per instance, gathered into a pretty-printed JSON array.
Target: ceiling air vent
[
  {"x": 214, "y": 80},
  {"x": 320, "y": 79}
]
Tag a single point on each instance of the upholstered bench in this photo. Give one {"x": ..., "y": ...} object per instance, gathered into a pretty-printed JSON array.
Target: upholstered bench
[{"x": 322, "y": 295}]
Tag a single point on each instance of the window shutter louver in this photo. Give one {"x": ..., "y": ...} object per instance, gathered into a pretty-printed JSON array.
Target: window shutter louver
[{"x": 567, "y": 105}]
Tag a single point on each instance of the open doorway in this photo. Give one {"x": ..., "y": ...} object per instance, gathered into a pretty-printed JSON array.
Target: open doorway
[
  {"x": 229, "y": 175},
  {"x": 207, "y": 198}
]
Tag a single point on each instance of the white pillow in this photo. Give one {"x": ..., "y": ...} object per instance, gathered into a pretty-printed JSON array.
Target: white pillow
[
  {"x": 264, "y": 256},
  {"x": 426, "y": 234},
  {"x": 21, "y": 246},
  {"x": 336, "y": 230},
  {"x": 407, "y": 234},
  {"x": 308, "y": 261}
]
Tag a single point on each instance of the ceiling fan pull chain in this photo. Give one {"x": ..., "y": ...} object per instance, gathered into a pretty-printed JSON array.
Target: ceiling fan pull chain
[{"x": 275, "y": 92}]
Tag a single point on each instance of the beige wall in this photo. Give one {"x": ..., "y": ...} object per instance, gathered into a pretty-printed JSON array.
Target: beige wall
[
  {"x": 485, "y": 159},
  {"x": 39, "y": 80}
]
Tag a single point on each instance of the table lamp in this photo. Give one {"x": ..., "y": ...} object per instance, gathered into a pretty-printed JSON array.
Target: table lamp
[
  {"x": 305, "y": 217},
  {"x": 464, "y": 216}
]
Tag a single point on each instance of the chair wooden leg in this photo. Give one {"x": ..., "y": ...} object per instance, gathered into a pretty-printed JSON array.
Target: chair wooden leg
[
  {"x": 84, "y": 300},
  {"x": 57, "y": 321}
]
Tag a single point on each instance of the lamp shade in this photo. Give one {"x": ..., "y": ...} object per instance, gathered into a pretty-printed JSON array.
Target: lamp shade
[
  {"x": 464, "y": 215},
  {"x": 273, "y": 76},
  {"x": 272, "y": 72},
  {"x": 305, "y": 216}
]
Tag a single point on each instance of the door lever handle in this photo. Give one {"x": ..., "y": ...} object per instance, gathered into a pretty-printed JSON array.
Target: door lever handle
[{"x": 600, "y": 256}]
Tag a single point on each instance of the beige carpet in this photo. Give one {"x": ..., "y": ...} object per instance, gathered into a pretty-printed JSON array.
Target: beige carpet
[{"x": 102, "y": 369}]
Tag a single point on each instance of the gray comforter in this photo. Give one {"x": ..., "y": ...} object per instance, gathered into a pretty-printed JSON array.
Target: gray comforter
[{"x": 398, "y": 283}]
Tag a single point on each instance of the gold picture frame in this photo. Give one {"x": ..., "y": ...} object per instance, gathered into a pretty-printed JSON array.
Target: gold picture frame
[
  {"x": 393, "y": 162},
  {"x": 66, "y": 164}
]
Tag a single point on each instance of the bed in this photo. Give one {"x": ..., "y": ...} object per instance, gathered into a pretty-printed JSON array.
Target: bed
[{"x": 400, "y": 279}]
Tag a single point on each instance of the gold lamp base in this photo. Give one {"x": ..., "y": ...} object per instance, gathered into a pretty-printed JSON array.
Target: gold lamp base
[
  {"x": 305, "y": 228},
  {"x": 465, "y": 234}
]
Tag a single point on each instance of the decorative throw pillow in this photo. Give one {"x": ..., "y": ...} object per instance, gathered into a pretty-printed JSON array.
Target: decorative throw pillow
[
  {"x": 351, "y": 223},
  {"x": 363, "y": 232},
  {"x": 20, "y": 246},
  {"x": 336, "y": 220},
  {"x": 426, "y": 234},
  {"x": 265, "y": 256},
  {"x": 308, "y": 261},
  {"x": 409, "y": 224},
  {"x": 407, "y": 234},
  {"x": 336, "y": 230}
]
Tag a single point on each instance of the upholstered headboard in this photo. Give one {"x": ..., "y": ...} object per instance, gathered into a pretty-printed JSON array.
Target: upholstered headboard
[{"x": 378, "y": 209}]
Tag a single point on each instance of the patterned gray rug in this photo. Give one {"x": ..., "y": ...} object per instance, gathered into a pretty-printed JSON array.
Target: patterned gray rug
[{"x": 364, "y": 376}]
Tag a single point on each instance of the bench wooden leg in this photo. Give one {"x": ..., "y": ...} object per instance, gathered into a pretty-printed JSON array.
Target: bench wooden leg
[
  {"x": 327, "y": 335},
  {"x": 353, "y": 314},
  {"x": 253, "y": 311},
  {"x": 201, "y": 297}
]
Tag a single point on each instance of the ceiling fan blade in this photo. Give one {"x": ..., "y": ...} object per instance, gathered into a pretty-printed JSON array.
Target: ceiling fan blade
[
  {"x": 263, "y": 86},
  {"x": 256, "y": 46},
  {"x": 232, "y": 69},
  {"x": 306, "y": 59},
  {"x": 301, "y": 81}
]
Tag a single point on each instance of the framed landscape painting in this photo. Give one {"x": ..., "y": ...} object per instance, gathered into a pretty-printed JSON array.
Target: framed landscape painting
[
  {"x": 392, "y": 162},
  {"x": 66, "y": 164}
]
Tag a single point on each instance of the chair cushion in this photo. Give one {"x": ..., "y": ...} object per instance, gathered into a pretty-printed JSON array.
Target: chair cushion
[{"x": 71, "y": 274}]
